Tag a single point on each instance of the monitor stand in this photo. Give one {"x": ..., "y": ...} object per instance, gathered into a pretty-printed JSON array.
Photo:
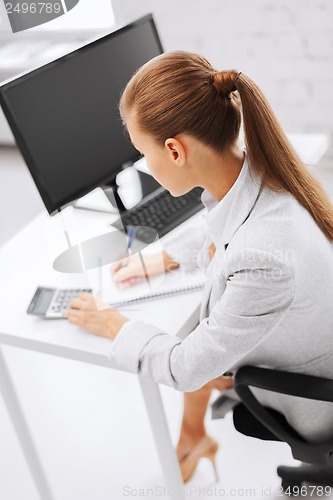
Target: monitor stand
[
  {"x": 145, "y": 185},
  {"x": 122, "y": 194},
  {"x": 111, "y": 192},
  {"x": 106, "y": 248}
]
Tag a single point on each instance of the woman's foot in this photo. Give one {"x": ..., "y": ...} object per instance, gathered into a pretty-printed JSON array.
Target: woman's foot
[
  {"x": 191, "y": 450},
  {"x": 187, "y": 442}
]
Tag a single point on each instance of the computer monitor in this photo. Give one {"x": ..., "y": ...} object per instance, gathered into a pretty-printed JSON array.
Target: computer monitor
[{"x": 64, "y": 115}]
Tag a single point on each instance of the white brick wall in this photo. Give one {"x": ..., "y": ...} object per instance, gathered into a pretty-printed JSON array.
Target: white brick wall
[{"x": 286, "y": 46}]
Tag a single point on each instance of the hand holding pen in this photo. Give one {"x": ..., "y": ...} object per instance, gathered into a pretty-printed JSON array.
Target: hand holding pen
[
  {"x": 132, "y": 269},
  {"x": 125, "y": 272},
  {"x": 125, "y": 262}
]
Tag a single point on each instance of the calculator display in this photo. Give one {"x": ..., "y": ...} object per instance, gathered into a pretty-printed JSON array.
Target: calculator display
[{"x": 41, "y": 300}]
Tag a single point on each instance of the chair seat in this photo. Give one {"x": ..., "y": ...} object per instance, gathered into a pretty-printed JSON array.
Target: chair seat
[
  {"x": 247, "y": 424},
  {"x": 253, "y": 419}
]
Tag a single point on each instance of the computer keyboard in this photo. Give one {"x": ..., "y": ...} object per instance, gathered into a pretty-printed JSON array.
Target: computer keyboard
[{"x": 161, "y": 213}]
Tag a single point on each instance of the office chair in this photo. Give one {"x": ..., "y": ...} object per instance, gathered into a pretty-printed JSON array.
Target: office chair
[{"x": 253, "y": 419}]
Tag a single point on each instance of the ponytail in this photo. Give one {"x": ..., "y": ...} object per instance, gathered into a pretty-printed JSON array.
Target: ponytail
[
  {"x": 180, "y": 92},
  {"x": 272, "y": 156}
]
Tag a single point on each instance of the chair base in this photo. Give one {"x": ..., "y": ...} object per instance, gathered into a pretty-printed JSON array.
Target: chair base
[{"x": 293, "y": 477}]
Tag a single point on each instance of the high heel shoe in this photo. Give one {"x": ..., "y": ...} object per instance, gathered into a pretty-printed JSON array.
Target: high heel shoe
[{"x": 207, "y": 447}]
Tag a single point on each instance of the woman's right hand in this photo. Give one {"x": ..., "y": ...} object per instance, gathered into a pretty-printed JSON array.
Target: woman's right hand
[{"x": 128, "y": 271}]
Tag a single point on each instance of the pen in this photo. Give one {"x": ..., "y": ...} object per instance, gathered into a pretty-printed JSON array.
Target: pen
[{"x": 130, "y": 240}]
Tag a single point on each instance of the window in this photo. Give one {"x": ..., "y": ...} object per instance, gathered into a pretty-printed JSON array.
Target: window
[
  {"x": 86, "y": 15},
  {"x": 47, "y": 41}
]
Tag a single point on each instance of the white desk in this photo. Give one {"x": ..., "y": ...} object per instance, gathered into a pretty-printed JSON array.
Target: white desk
[{"x": 25, "y": 262}]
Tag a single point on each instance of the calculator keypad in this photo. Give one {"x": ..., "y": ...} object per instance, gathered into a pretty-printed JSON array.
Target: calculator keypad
[{"x": 63, "y": 298}]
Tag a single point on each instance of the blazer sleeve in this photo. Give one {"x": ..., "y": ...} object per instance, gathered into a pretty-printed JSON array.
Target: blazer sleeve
[{"x": 259, "y": 292}]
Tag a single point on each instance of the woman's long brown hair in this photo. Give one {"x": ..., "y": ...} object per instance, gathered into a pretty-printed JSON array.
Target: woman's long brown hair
[{"x": 180, "y": 92}]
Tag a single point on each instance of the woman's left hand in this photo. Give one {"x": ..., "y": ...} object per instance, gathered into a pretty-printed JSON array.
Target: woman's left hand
[{"x": 94, "y": 316}]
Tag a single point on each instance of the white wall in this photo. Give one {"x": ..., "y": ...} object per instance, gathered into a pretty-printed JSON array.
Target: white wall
[{"x": 285, "y": 46}]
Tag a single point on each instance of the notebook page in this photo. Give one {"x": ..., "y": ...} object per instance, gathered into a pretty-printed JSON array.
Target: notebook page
[{"x": 173, "y": 282}]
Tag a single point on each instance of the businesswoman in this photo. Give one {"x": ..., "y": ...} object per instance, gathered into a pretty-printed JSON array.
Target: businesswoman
[{"x": 267, "y": 244}]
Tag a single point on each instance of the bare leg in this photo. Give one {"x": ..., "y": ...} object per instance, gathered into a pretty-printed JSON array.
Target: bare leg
[{"x": 195, "y": 407}]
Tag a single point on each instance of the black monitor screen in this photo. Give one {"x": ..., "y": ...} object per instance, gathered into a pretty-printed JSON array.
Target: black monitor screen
[{"x": 65, "y": 118}]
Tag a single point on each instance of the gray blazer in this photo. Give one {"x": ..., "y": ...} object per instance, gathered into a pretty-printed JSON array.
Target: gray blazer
[{"x": 267, "y": 301}]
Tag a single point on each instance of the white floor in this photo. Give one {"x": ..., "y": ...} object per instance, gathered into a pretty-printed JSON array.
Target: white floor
[
  {"x": 89, "y": 423},
  {"x": 93, "y": 435}
]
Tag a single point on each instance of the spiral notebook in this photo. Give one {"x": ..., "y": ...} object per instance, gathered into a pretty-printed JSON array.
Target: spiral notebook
[{"x": 173, "y": 284}]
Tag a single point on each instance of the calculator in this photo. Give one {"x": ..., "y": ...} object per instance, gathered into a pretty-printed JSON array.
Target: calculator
[{"x": 49, "y": 303}]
